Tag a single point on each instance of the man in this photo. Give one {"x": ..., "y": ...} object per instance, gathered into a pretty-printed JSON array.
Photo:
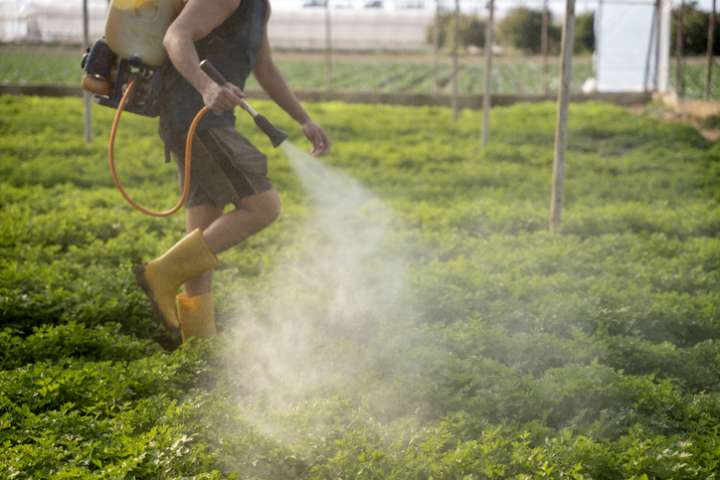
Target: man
[{"x": 226, "y": 167}]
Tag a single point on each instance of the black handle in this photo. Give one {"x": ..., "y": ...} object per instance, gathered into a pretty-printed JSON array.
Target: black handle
[
  {"x": 275, "y": 135},
  {"x": 212, "y": 72}
]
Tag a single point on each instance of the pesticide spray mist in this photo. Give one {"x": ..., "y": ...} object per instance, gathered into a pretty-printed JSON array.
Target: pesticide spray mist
[{"x": 337, "y": 308}]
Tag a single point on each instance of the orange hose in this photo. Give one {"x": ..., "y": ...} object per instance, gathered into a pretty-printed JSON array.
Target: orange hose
[{"x": 188, "y": 158}]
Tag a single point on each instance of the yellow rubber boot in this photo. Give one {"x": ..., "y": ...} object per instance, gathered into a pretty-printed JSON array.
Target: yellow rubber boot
[
  {"x": 161, "y": 278},
  {"x": 196, "y": 316}
]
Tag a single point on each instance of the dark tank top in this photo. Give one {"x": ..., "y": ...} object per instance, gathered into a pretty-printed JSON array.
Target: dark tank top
[{"x": 233, "y": 49}]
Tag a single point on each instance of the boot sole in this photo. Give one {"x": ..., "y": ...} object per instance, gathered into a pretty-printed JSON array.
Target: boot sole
[{"x": 139, "y": 271}]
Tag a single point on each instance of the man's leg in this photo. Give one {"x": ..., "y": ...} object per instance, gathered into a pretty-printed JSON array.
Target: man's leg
[
  {"x": 191, "y": 260},
  {"x": 252, "y": 214},
  {"x": 220, "y": 232},
  {"x": 200, "y": 216}
]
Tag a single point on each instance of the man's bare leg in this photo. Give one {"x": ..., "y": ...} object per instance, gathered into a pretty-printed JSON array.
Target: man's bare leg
[
  {"x": 222, "y": 232},
  {"x": 251, "y": 215}
]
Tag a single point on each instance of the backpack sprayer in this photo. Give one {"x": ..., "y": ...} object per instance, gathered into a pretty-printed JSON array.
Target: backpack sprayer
[{"x": 123, "y": 71}]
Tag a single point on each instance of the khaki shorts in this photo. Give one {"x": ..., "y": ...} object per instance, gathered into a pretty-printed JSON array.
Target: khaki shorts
[{"x": 226, "y": 167}]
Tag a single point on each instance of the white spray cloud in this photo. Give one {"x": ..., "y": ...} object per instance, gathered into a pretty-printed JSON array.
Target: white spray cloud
[{"x": 333, "y": 305}]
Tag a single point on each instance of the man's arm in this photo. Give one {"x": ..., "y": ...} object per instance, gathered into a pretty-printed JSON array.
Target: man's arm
[
  {"x": 272, "y": 81},
  {"x": 197, "y": 20}
]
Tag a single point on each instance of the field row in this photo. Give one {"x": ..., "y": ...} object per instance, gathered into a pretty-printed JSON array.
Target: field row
[{"x": 360, "y": 73}]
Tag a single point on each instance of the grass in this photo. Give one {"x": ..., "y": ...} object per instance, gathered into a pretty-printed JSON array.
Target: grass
[
  {"x": 411, "y": 73},
  {"x": 588, "y": 354}
]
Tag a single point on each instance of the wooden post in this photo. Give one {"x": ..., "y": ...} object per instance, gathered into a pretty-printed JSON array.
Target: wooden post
[
  {"x": 598, "y": 55},
  {"x": 650, "y": 83},
  {"x": 87, "y": 98},
  {"x": 658, "y": 44},
  {"x": 710, "y": 48},
  {"x": 544, "y": 46},
  {"x": 679, "y": 42},
  {"x": 436, "y": 45},
  {"x": 456, "y": 41},
  {"x": 558, "y": 178},
  {"x": 664, "y": 41},
  {"x": 328, "y": 48},
  {"x": 488, "y": 72}
]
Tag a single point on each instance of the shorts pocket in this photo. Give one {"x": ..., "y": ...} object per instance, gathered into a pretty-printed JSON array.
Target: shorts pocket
[{"x": 241, "y": 153}]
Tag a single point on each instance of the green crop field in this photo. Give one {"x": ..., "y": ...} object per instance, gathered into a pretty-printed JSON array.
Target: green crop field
[
  {"x": 514, "y": 353},
  {"x": 411, "y": 73}
]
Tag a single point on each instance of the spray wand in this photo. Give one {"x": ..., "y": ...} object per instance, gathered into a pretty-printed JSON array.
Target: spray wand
[{"x": 276, "y": 136}]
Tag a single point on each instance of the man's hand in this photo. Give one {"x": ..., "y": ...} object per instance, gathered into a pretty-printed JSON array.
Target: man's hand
[
  {"x": 220, "y": 98},
  {"x": 317, "y": 136}
]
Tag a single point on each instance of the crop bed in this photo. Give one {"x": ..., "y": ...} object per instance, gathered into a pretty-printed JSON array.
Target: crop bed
[
  {"x": 359, "y": 72},
  {"x": 593, "y": 353}
]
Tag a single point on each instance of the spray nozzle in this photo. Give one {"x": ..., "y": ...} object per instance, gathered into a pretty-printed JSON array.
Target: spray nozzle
[{"x": 275, "y": 135}]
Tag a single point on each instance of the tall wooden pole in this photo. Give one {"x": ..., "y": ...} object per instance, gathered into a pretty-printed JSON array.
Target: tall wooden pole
[
  {"x": 679, "y": 42},
  {"x": 456, "y": 41},
  {"x": 710, "y": 48},
  {"x": 87, "y": 98},
  {"x": 649, "y": 77},
  {"x": 328, "y": 48},
  {"x": 488, "y": 72},
  {"x": 664, "y": 41},
  {"x": 544, "y": 46},
  {"x": 436, "y": 45},
  {"x": 558, "y": 178},
  {"x": 658, "y": 44},
  {"x": 598, "y": 55}
]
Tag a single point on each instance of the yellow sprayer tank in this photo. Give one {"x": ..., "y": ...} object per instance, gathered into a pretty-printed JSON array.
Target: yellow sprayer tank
[{"x": 135, "y": 28}]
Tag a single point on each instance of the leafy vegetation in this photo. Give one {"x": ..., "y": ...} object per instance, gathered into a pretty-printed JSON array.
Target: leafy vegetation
[
  {"x": 589, "y": 354},
  {"x": 471, "y": 31},
  {"x": 695, "y": 29},
  {"x": 368, "y": 73},
  {"x": 521, "y": 29}
]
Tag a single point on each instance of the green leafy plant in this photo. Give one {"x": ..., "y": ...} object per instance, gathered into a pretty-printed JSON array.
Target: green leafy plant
[{"x": 592, "y": 353}]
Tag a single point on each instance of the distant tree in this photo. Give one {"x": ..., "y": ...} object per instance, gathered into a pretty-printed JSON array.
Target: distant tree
[
  {"x": 521, "y": 29},
  {"x": 585, "y": 33},
  {"x": 471, "y": 31},
  {"x": 695, "y": 29}
]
